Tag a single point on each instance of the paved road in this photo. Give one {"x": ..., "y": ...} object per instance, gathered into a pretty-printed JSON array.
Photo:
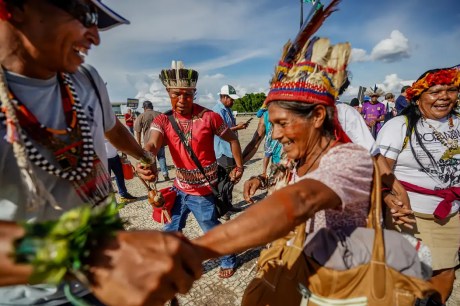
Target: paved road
[{"x": 210, "y": 290}]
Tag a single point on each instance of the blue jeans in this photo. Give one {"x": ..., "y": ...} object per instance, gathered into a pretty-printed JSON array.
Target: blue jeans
[
  {"x": 162, "y": 160},
  {"x": 204, "y": 210},
  {"x": 117, "y": 168}
]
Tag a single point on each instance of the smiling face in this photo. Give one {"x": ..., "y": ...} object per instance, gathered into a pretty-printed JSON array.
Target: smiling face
[
  {"x": 50, "y": 40},
  {"x": 438, "y": 101},
  {"x": 292, "y": 131},
  {"x": 182, "y": 99}
]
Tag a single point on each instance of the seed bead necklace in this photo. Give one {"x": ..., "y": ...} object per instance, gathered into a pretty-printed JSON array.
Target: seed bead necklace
[{"x": 76, "y": 159}]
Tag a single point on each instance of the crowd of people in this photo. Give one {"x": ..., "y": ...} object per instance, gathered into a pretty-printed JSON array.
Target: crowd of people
[{"x": 59, "y": 138}]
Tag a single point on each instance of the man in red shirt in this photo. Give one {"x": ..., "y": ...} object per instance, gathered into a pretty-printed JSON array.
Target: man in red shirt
[
  {"x": 199, "y": 125},
  {"x": 129, "y": 120}
]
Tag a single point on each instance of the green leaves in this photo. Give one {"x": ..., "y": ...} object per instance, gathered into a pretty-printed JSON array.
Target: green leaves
[
  {"x": 59, "y": 248},
  {"x": 250, "y": 103}
]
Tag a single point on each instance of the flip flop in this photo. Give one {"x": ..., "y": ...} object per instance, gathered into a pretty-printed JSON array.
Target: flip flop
[{"x": 226, "y": 273}]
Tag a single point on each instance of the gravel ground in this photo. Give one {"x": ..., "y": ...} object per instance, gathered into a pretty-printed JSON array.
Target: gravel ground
[{"x": 210, "y": 290}]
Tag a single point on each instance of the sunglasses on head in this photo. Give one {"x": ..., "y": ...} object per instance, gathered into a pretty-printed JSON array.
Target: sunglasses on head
[{"x": 82, "y": 11}]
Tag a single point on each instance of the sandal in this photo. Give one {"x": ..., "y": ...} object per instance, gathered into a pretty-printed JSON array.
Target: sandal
[{"x": 226, "y": 273}]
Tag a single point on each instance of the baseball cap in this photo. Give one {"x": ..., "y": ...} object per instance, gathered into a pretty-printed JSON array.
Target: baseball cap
[
  {"x": 107, "y": 17},
  {"x": 230, "y": 91}
]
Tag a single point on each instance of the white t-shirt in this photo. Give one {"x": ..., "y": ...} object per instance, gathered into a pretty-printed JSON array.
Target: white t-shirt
[
  {"x": 391, "y": 105},
  {"x": 43, "y": 99},
  {"x": 110, "y": 149},
  {"x": 445, "y": 174},
  {"x": 355, "y": 127}
]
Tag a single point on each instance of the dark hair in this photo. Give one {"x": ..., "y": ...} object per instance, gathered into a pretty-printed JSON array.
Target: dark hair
[
  {"x": 305, "y": 110},
  {"x": 389, "y": 96},
  {"x": 354, "y": 102},
  {"x": 404, "y": 88},
  {"x": 147, "y": 104},
  {"x": 413, "y": 115}
]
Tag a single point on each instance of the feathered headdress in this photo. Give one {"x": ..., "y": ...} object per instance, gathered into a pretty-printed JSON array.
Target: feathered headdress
[
  {"x": 375, "y": 91},
  {"x": 311, "y": 70},
  {"x": 446, "y": 76},
  {"x": 178, "y": 76}
]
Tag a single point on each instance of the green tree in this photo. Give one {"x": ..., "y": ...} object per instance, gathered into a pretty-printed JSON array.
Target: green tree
[{"x": 250, "y": 103}]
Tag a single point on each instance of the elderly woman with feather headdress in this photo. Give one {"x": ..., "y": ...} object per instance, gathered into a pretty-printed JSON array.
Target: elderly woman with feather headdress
[{"x": 328, "y": 184}]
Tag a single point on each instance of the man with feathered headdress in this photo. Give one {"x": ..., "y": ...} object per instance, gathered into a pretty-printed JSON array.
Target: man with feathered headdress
[
  {"x": 374, "y": 111},
  {"x": 198, "y": 126}
]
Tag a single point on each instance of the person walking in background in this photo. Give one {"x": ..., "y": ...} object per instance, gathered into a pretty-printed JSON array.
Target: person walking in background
[
  {"x": 116, "y": 167},
  {"x": 401, "y": 101},
  {"x": 129, "y": 120},
  {"x": 142, "y": 129},
  {"x": 374, "y": 111},
  {"x": 390, "y": 110},
  {"x": 198, "y": 126},
  {"x": 355, "y": 104},
  {"x": 223, "y": 107}
]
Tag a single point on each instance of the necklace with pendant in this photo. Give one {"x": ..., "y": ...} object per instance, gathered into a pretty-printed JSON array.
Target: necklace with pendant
[{"x": 446, "y": 140}]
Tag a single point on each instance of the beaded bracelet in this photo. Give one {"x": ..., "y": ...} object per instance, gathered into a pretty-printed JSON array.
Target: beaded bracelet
[
  {"x": 263, "y": 181},
  {"x": 61, "y": 248},
  {"x": 239, "y": 169}
]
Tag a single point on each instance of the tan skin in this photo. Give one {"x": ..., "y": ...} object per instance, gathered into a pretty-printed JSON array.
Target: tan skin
[
  {"x": 228, "y": 102},
  {"x": 303, "y": 140},
  {"x": 374, "y": 100},
  {"x": 133, "y": 268},
  {"x": 396, "y": 198},
  {"x": 436, "y": 103},
  {"x": 182, "y": 103}
]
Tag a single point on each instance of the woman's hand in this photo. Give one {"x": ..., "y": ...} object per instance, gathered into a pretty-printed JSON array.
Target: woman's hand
[
  {"x": 250, "y": 188},
  {"x": 143, "y": 268},
  {"x": 400, "y": 209}
]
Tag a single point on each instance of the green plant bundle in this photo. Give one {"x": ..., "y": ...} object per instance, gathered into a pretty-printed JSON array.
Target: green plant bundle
[{"x": 61, "y": 248}]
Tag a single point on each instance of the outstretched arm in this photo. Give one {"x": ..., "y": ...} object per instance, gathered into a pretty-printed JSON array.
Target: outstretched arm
[
  {"x": 124, "y": 141},
  {"x": 282, "y": 211},
  {"x": 253, "y": 145}
]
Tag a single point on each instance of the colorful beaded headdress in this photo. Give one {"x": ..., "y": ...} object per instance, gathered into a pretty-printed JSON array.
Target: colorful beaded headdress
[
  {"x": 447, "y": 76},
  {"x": 311, "y": 70},
  {"x": 178, "y": 76}
]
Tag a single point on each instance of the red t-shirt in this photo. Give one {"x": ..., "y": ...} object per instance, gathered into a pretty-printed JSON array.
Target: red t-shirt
[
  {"x": 129, "y": 120},
  {"x": 201, "y": 131}
]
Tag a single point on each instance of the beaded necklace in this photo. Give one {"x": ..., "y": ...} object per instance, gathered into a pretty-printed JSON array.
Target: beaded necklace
[
  {"x": 76, "y": 156},
  {"x": 449, "y": 143}
]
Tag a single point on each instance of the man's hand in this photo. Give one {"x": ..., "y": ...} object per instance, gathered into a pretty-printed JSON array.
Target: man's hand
[
  {"x": 241, "y": 126},
  {"x": 149, "y": 174},
  {"x": 143, "y": 268},
  {"x": 250, "y": 188},
  {"x": 236, "y": 174}
]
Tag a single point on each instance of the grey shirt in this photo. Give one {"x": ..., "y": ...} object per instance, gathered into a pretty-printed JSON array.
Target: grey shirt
[{"x": 43, "y": 99}]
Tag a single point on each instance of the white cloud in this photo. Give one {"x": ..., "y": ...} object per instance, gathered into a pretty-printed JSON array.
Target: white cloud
[
  {"x": 390, "y": 49},
  {"x": 393, "y": 83}
]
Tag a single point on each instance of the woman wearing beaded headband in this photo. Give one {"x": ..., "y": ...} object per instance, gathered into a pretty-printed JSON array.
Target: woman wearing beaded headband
[
  {"x": 423, "y": 147},
  {"x": 53, "y": 119}
]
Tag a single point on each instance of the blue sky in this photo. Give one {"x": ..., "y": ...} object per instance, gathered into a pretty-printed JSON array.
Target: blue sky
[{"x": 238, "y": 42}]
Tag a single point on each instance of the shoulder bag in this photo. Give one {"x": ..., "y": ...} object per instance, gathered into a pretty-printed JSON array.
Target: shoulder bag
[
  {"x": 221, "y": 194},
  {"x": 286, "y": 276}
]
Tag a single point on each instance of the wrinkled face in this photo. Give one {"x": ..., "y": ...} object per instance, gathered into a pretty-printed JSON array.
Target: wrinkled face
[
  {"x": 292, "y": 131},
  {"x": 438, "y": 101},
  {"x": 182, "y": 99},
  {"x": 52, "y": 39}
]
